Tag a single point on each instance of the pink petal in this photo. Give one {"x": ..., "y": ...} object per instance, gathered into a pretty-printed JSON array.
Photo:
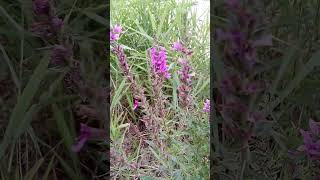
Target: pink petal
[{"x": 117, "y": 29}]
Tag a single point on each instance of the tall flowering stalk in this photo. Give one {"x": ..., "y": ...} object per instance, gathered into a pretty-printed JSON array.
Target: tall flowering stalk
[
  {"x": 149, "y": 117},
  {"x": 185, "y": 75},
  {"x": 185, "y": 88},
  {"x": 160, "y": 73},
  {"x": 179, "y": 47},
  {"x": 239, "y": 89},
  {"x": 138, "y": 91},
  {"x": 238, "y": 86},
  {"x": 48, "y": 27}
]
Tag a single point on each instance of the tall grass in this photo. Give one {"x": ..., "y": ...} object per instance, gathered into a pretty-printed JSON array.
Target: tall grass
[
  {"x": 38, "y": 118},
  {"x": 291, "y": 68}
]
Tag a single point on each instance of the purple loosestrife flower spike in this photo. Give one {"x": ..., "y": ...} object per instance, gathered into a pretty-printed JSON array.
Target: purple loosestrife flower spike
[
  {"x": 185, "y": 82},
  {"x": 85, "y": 133},
  {"x": 41, "y": 7},
  {"x": 159, "y": 62},
  {"x": 206, "y": 107},
  {"x": 184, "y": 73},
  {"x": 118, "y": 50}
]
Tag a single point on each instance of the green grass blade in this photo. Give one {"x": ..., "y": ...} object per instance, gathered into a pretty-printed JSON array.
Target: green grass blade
[
  {"x": 10, "y": 65},
  {"x": 23, "y": 104},
  {"x": 50, "y": 166},
  {"x": 313, "y": 62},
  {"x": 286, "y": 61},
  {"x": 4, "y": 13},
  {"x": 96, "y": 18},
  {"x": 32, "y": 172}
]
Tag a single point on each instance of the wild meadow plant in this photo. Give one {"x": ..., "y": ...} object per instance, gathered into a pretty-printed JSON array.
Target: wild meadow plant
[
  {"x": 258, "y": 85},
  {"x": 160, "y": 80},
  {"x": 238, "y": 87},
  {"x": 47, "y": 27},
  {"x": 152, "y": 109},
  {"x": 53, "y": 89}
]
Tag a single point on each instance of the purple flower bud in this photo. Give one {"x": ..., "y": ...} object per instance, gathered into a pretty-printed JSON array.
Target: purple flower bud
[
  {"x": 60, "y": 54},
  {"x": 57, "y": 23},
  {"x": 41, "y": 7},
  {"x": 115, "y": 33},
  {"x": 117, "y": 29},
  {"x": 118, "y": 50},
  {"x": 206, "y": 107},
  {"x": 85, "y": 133},
  {"x": 177, "y": 46}
]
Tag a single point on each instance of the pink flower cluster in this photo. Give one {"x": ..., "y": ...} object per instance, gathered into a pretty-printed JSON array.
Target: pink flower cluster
[
  {"x": 206, "y": 107},
  {"x": 49, "y": 24},
  {"x": 178, "y": 46},
  {"x": 159, "y": 61},
  {"x": 115, "y": 33}
]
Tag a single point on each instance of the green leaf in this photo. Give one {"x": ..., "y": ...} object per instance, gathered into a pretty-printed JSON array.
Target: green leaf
[
  {"x": 285, "y": 62},
  {"x": 305, "y": 70},
  {"x": 4, "y": 13},
  {"x": 118, "y": 94},
  {"x": 69, "y": 171},
  {"x": 10, "y": 65},
  {"x": 50, "y": 166},
  {"x": 96, "y": 18},
  {"x": 24, "y": 101}
]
